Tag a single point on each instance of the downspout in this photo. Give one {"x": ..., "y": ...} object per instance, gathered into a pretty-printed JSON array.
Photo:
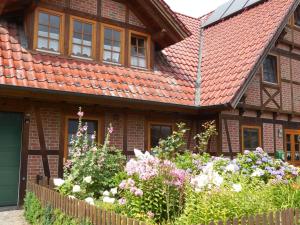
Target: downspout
[{"x": 199, "y": 72}]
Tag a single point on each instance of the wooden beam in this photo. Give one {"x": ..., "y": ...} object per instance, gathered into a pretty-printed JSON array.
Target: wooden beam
[
  {"x": 228, "y": 138},
  {"x": 41, "y": 135}
]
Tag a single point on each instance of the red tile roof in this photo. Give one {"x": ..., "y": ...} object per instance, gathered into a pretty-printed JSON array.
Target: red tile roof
[{"x": 231, "y": 49}]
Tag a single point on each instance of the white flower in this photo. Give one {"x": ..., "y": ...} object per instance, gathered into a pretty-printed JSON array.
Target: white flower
[
  {"x": 88, "y": 179},
  {"x": 208, "y": 169},
  {"x": 114, "y": 191},
  {"x": 217, "y": 179},
  {"x": 200, "y": 181},
  {"x": 72, "y": 197},
  {"x": 140, "y": 155},
  {"x": 58, "y": 182},
  {"x": 90, "y": 201},
  {"x": 109, "y": 200},
  {"x": 231, "y": 168},
  {"x": 258, "y": 173},
  {"x": 237, "y": 187},
  {"x": 76, "y": 188},
  {"x": 106, "y": 193}
]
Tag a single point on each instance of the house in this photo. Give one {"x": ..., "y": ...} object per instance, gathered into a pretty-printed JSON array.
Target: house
[{"x": 142, "y": 67}]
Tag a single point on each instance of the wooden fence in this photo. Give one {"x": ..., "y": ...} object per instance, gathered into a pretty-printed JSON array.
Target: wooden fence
[
  {"x": 80, "y": 209},
  {"x": 76, "y": 208}
]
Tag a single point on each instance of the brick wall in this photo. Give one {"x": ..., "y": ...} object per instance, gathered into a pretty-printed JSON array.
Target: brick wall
[
  {"x": 55, "y": 2},
  {"x": 116, "y": 120},
  {"x": 268, "y": 137},
  {"x": 133, "y": 20},
  {"x": 253, "y": 92},
  {"x": 135, "y": 132},
  {"x": 279, "y": 140},
  {"x": 234, "y": 133},
  {"x": 87, "y": 6},
  {"x": 286, "y": 96},
  {"x": 113, "y": 10}
]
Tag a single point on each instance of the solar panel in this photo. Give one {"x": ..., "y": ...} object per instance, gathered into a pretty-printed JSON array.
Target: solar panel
[
  {"x": 218, "y": 13},
  {"x": 228, "y": 9},
  {"x": 236, "y": 6}
]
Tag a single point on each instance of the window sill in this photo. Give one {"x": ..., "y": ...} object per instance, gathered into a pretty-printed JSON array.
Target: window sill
[
  {"x": 79, "y": 57},
  {"x": 46, "y": 51},
  {"x": 270, "y": 84},
  {"x": 112, "y": 63},
  {"x": 139, "y": 68}
]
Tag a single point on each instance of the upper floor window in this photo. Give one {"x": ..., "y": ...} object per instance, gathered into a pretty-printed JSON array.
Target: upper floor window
[
  {"x": 139, "y": 50},
  {"x": 49, "y": 29},
  {"x": 112, "y": 44},
  {"x": 251, "y": 137},
  {"x": 297, "y": 17},
  {"x": 82, "y": 38},
  {"x": 158, "y": 132},
  {"x": 270, "y": 69}
]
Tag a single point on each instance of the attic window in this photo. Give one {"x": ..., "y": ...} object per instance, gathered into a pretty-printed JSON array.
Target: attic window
[
  {"x": 139, "y": 50},
  {"x": 270, "y": 69},
  {"x": 297, "y": 17},
  {"x": 49, "y": 29}
]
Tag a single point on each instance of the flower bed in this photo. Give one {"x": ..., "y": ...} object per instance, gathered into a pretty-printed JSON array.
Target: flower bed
[{"x": 168, "y": 187}]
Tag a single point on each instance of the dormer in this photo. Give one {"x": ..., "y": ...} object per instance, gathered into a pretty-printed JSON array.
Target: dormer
[{"x": 119, "y": 32}]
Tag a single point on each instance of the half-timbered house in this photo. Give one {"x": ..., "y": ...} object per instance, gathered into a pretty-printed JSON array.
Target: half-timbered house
[{"x": 143, "y": 68}]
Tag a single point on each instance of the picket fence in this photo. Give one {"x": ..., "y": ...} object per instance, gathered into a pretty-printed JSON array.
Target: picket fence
[{"x": 80, "y": 209}]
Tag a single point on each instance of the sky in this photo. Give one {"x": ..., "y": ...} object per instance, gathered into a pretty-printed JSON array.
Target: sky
[{"x": 195, "y": 8}]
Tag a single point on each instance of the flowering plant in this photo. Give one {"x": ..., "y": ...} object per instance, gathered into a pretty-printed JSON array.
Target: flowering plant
[
  {"x": 89, "y": 171},
  {"x": 153, "y": 189}
]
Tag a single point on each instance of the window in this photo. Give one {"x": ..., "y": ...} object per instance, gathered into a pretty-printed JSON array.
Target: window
[
  {"x": 159, "y": 131},
  {"x": 139, "y": 49},
  {"x": 270, "y": 69},
  {"x": 112, "y": 44},
  {"x": 251, "y": 136},
  {"x": 72, "y": 126},
  {"x": 82, "y": 40},
  {"x": 297, "y": 17},
  {"x": 49, "y": 30}
]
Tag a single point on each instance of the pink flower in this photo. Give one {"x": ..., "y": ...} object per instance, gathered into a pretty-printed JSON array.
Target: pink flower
[
  {"x": 122, "y": 201},
  {"x": 138, "y": 192},
  {"x": 130, "y": 182},
  {"x": 110, "y": 130},
  {"x": 80, "y": 113},
  {"x": 133, "y": 190},
  {"x": 123, "y": 184}
]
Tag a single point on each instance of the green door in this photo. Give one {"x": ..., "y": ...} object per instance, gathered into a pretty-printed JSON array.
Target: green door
[{"x": 10, "y": 146}]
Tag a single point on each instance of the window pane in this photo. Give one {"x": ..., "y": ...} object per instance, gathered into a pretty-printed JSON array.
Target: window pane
[
  {"x": 133, "y": 41},
  {"x": 134, "y": 61},
  {"x": 142, "y": 52},
  {"x": 134, "y": 51},
  {"x": 297, "y": 16},
  {"x": 76, "y": 49},
  {"x": 107, "y": 44},
  {"x": 107, "y": 56},
  {"x": 117, "y": 36},
  {"x": 53, "y": 45},
  {"x": 43, "y": 19},
  {"x": 54, "y": 21},
  {"x": 166, "y": 131},
  {"x": 42, "y": 43},
  {"x": 87, "y": 29},
  {"x": 251, "y": 138},
  {"x": 77, "y": 27},
  {"x": 108, "y": 34},
  {"x": 159, "y": 132},
  {"x": 142, "y": 62},
  {"x": 77, "y": 38},
  {"x": 87, "y": 40},
  {"x": 116, "y": 46},
  {"x": 86, "y": 52},
  {"x": 54, "y": 33},
  {"x": 270, "y": 69},
  {"x": 116, "y": 57},
  {"x": 43, "y": 31},
  {"x": 141, "y": 42}
]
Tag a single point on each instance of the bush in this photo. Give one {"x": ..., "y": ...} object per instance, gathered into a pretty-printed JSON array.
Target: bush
[
  {"x": 35, "y": 214},
  {"x": 90, "y": 170}
]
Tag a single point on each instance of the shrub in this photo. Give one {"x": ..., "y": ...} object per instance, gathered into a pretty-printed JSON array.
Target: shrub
[{"x": 90, "y": 170}]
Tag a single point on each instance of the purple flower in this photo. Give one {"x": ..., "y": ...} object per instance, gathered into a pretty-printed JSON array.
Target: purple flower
[
  {"x": 122, "y": 185},
  {"x": 258, "y": 162},
  {"x": 264, "y": 159},
  {"x": 122, "y": 201},
  {"x": 150, "y": 214},
  {"x": 138, "y": 192}
]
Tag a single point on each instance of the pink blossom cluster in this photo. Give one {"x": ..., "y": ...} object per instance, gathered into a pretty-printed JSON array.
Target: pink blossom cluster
[{"x": 130, "y": 185}]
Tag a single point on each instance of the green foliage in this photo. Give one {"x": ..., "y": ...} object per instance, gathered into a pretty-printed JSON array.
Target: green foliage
[
  {"x": 35, "y": 214},
  {"x": 204, "y": 137},
  {"x": 100, "y": 163},
  {"x": 33, "y": 210},
  {"x": 168, "y": 147}
]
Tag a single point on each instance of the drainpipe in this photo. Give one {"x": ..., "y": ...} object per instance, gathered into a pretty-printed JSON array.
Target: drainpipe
[{"x": 199, "y": 72}]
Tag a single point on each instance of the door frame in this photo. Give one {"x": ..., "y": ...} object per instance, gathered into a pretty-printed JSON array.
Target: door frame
[{"x": 291, "y": 132}]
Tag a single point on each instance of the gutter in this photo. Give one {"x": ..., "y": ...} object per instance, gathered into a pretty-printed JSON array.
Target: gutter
[{"x": 199, "y": 72}]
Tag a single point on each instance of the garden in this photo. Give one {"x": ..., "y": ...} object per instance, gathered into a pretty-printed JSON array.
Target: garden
[{"x": 170, "y": 185}]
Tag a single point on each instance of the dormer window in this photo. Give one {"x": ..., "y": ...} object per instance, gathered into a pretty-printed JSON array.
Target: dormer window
[
  {"x": 113, "y": 41},
  {"x": 139, "y": 49},
  {"x": 297, "y": 17},
  {"x": 82, "y": 41},
  {"x": 49, "y": 29}
]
